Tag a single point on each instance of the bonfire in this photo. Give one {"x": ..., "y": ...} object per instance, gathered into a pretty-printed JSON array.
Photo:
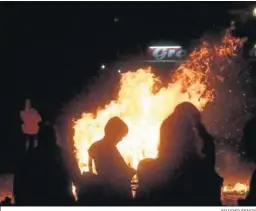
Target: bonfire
[{"x": 143, "y": 106}]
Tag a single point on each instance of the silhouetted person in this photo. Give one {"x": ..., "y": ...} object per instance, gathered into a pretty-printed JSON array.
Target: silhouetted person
[
  {"x": 248, "y": 140},
  {"x": 205, "y": 143},
  {"x": 30, "y": 118},
  {"x": 163, "y": 180},
  {"x": 146, "y": 181},
  {"x": 42, "y": 178},
  {"x": 6, "y": 202},
  {"x": 110, "y": 165},
  {"x": 92, "y": 191},
  {"x": 206, "y": 150},
  {"x": 250, "y": 199},
  {"x": 180, "y": 170}
]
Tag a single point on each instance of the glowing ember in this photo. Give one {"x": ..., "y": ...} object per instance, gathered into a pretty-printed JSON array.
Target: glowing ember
[
  {"x": 238, "y": 188},
  {"x": 143, "y": 106}
]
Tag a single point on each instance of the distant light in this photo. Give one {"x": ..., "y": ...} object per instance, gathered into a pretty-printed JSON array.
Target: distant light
[
  {"x": 119, "y": 71},
  {"x": 103, "y": 66},
  {"x": 254, "y": 12},
  {"x": 116, "y": 19},
  {"x": 152, "y": 47}
]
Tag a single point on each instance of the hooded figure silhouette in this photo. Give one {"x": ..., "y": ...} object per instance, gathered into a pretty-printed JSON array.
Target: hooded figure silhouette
[{"x": 109, "y": 163}]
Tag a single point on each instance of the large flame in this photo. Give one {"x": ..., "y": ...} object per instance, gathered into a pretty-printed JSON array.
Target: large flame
[{"x": 143, "y": 106}]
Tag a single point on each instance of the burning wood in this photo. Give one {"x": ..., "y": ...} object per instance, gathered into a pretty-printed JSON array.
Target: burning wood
[
  {"x": 238, "y": 188},
  {"x": 232, "y": 193}
]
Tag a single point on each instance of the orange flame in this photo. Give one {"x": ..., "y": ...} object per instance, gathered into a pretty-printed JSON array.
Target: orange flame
[
  {"x": 238, "y": 188},
  {"x": 143, "y": 108}
]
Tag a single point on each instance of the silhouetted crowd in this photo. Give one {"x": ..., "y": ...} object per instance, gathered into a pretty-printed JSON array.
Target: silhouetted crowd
[{"x": 182, "y": 174}]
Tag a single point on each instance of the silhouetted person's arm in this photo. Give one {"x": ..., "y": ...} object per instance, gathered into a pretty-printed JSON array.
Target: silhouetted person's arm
[
  {"x": 123, "y": 167},
  {"x": 209, "y": 146}
]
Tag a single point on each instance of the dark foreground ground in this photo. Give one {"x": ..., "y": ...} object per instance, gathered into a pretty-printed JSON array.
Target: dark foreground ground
[{"x": 6, "y": 182}]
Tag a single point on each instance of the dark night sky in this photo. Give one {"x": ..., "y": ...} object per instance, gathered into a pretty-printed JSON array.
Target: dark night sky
[{"x": 50, "y": 49}]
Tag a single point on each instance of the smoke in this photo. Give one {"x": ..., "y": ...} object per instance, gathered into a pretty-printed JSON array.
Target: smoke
[
  {"x": 232, "y": 167},
  {"x": 230, "y": 78},
  {"x": 233, "y": 102}
]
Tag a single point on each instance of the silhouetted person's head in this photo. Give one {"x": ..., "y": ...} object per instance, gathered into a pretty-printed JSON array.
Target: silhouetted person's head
[
  {"x": 187, "y": 109},
  {"x": 188, "y": 112},
  {"x": 47, "y": 136},
  {"x": 176, "y": 136},
  {"x": 115, "y": 130}
]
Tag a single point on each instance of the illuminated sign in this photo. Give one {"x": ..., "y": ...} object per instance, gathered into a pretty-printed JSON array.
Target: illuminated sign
[{"x": 166, "y": 53}]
